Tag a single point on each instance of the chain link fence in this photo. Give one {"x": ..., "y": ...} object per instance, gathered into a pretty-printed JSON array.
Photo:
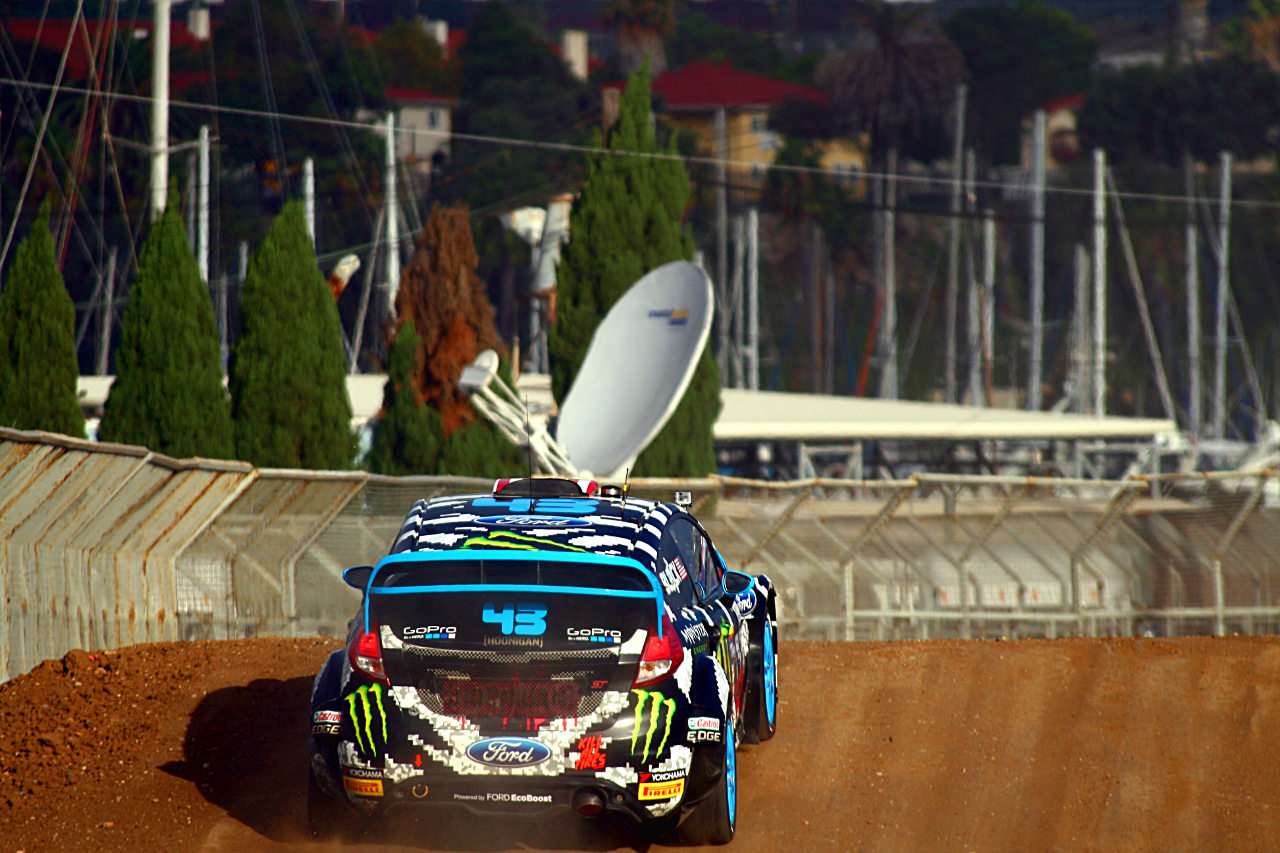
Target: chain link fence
[{"x": 104, "y": 545}]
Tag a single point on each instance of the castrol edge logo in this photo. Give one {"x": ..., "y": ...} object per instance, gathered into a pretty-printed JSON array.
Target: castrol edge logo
[{"x": 508, "y": 752}]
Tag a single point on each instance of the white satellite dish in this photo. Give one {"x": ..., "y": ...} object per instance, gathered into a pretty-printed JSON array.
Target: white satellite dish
[{"x": 641, "y": 360}]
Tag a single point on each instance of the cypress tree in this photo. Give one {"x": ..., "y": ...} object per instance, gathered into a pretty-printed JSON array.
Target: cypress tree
[
  {"x": 628, "y": 220},
  {"x": 168, "y": 394},
  {"x": 408, "y": 437},
  {"x": 445, "y": 301},
  {"x": 289, "y": 403},
  {"x": 38, "y": 367}
]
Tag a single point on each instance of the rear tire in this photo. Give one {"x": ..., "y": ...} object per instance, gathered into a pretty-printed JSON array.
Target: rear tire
[
  {"x": 329, "y": 819},
  {"x": 715, "y": 819},
  {"x": 760, "y": 720}
]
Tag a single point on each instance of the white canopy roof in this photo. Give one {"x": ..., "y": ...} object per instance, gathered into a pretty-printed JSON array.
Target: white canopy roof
[{"x": 778, "y": 416}]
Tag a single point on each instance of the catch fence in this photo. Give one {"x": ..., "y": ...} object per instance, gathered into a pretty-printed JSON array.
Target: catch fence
[{"x": 105, "y": 545}]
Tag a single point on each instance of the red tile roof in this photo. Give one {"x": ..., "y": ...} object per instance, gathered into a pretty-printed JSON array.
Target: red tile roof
[
  {"x": 53, "y": 35},
  {"x": 1066, "y": 102},
  {"x": 404, "y": 95},
  {"x": 707, "y": 86}
]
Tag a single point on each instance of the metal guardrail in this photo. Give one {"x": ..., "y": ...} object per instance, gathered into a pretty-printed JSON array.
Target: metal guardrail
[{"x": 105, "y": 545}]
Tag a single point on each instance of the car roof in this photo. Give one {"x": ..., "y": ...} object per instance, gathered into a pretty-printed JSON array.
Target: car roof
[{"x": 503, "y": 522}]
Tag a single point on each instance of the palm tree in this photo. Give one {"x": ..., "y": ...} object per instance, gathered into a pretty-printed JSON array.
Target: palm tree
[
  {"x": 641, "y": 25},
  {"x": 900, "y": 73}
]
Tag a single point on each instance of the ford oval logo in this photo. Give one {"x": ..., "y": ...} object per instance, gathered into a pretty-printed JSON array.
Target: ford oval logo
[
  {"x": 532, "y": 521},
  {"x": 508, "y": 752}
]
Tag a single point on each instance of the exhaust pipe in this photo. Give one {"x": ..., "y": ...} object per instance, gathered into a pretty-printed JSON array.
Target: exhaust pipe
[{"x": 588, "y": 802}]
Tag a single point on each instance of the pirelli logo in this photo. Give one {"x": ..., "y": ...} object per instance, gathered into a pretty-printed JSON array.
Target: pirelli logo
[
  {"x": 367, "y": 787},
  {"x": 661, "y": 790}
]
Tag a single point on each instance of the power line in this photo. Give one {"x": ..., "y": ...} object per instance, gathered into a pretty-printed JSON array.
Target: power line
[{"x": 934, "y": 180}]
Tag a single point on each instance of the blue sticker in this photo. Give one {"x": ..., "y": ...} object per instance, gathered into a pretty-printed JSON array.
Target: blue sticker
[
  {"x": 527, "y": 620},
  {"x": 568, "y": 506}
]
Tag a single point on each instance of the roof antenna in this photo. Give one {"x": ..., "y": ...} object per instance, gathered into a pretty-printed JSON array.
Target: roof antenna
[
  {"x": 626, "y": 484},
  {"x": 528, "y": 443}
]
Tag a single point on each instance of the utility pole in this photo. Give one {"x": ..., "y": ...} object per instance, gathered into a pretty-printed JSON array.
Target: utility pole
[
  {"x": 1081, "y": 376},
  {"x": 988, "y": 299},
  {"x": 1195, "y": 395},
  {"x": 753, "y": 299},
  {"x": 739, "y": 262},
  {"x": 160, "y": 109},
  {"x": 1099, "y": 283},
  {"x": 722, "y": 237},
  {"x": 309, "y": 198},
  {"x": 393, "y": 221},
  {"x": 202, "y": 206},
  {"x": 973, "y": 319},
  {"x": 1224, "y": 284},
  {"x": 889, "y": 274},
  {"x": 1037, "y": 262},
  {"x": 953, "y": 256}
]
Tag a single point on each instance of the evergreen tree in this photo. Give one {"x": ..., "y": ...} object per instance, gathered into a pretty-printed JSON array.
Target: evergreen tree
[
  {"x": 443, "y": 299},
  {"x": 168, "y": 394},
  {"x": 38, "y": 367},
  {"x": 408, "y": 437},
  {"x": 289, "y": 401},
  {"x": 627, "y": 221}
]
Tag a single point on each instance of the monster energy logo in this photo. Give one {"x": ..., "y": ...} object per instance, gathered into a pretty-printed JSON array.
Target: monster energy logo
[
  {"x": 655, "y": 711},
  {"x": 360, "y": 709},
  {"x": 516, "y": 541}
]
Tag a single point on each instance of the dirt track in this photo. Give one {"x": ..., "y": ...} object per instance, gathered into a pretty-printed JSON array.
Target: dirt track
[{"x": 1066, "y": 745}]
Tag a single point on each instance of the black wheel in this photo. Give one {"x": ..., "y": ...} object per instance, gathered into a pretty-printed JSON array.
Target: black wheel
[
  {"x": 329, "y": 819},
  {"x": 715, "y": 818},
  {"x": 760, "y": 719}
]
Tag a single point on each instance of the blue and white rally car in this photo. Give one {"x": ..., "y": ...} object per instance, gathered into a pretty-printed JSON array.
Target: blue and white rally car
[{"x": 550, "y": 646}]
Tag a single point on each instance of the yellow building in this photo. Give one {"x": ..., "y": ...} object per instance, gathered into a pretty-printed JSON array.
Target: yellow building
[{"x": 692, "y": 98}]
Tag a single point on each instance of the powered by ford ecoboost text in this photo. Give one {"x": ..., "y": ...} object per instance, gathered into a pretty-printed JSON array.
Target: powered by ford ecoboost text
[{"x": 549, "y": 646}]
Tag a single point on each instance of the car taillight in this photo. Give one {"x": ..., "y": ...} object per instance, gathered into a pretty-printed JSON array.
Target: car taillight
[
  {"x": 366, "y": 654},
  {"x": 661, "y": 654}
]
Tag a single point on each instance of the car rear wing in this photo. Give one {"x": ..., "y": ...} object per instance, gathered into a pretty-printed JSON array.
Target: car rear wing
[{"x": 420, "y": 572}]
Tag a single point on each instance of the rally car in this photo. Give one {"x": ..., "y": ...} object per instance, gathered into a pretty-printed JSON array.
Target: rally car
[{"x": 553, "y": 645}]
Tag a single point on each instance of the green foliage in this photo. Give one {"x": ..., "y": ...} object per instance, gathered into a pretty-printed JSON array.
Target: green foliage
[
  {"x": 897, "y": 80},
  {"x": 1150, "y": 113},
  {"x": 1254, "y": 34},
  {"x": 1019, "y": 57},
  {"x": 38, "y": 368},
  {"x": 512, "y": 85},
  {"x": 479, "y": 450},
  {"x": 627, "y": 221},
  {"x": 288, "y": 376},
  {"x": 408, "y": 437},
  {"x": 168, "y": 393},
  {"x": 699, "y": 37},
  {"x": 407, "y": 56}
]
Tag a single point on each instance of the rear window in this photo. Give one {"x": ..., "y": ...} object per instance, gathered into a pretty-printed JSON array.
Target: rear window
[{"x": 500, "y": 571}]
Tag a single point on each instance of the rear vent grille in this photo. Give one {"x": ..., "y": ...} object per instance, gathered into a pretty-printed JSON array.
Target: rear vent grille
[
  {"x": 521, "y": 699},
  {"x": 510, "y": 685}
]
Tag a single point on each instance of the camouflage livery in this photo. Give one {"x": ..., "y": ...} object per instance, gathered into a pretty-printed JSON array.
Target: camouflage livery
[{"x": 548, "y": 646}]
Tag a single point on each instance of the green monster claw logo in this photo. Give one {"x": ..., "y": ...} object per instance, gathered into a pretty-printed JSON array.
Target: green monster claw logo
[
  {"x": 515, "y": 541},
  {"x": 360, "y": 710},
  {"x": 722, "y": 648},
  {"x": 655, "y": 711}
]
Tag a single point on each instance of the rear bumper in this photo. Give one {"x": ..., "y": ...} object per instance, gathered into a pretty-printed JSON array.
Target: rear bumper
[{"x": 510, "y": 796}]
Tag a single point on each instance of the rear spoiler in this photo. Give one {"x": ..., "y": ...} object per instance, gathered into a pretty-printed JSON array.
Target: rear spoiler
[{"x": 625, "y": 563}]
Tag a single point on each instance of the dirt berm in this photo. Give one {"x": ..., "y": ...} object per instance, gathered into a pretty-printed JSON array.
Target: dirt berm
[{"x": 1063, "y": 745}]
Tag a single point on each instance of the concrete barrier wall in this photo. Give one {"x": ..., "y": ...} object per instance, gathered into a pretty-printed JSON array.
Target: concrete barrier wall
[{"x": 105, "y": 545}]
